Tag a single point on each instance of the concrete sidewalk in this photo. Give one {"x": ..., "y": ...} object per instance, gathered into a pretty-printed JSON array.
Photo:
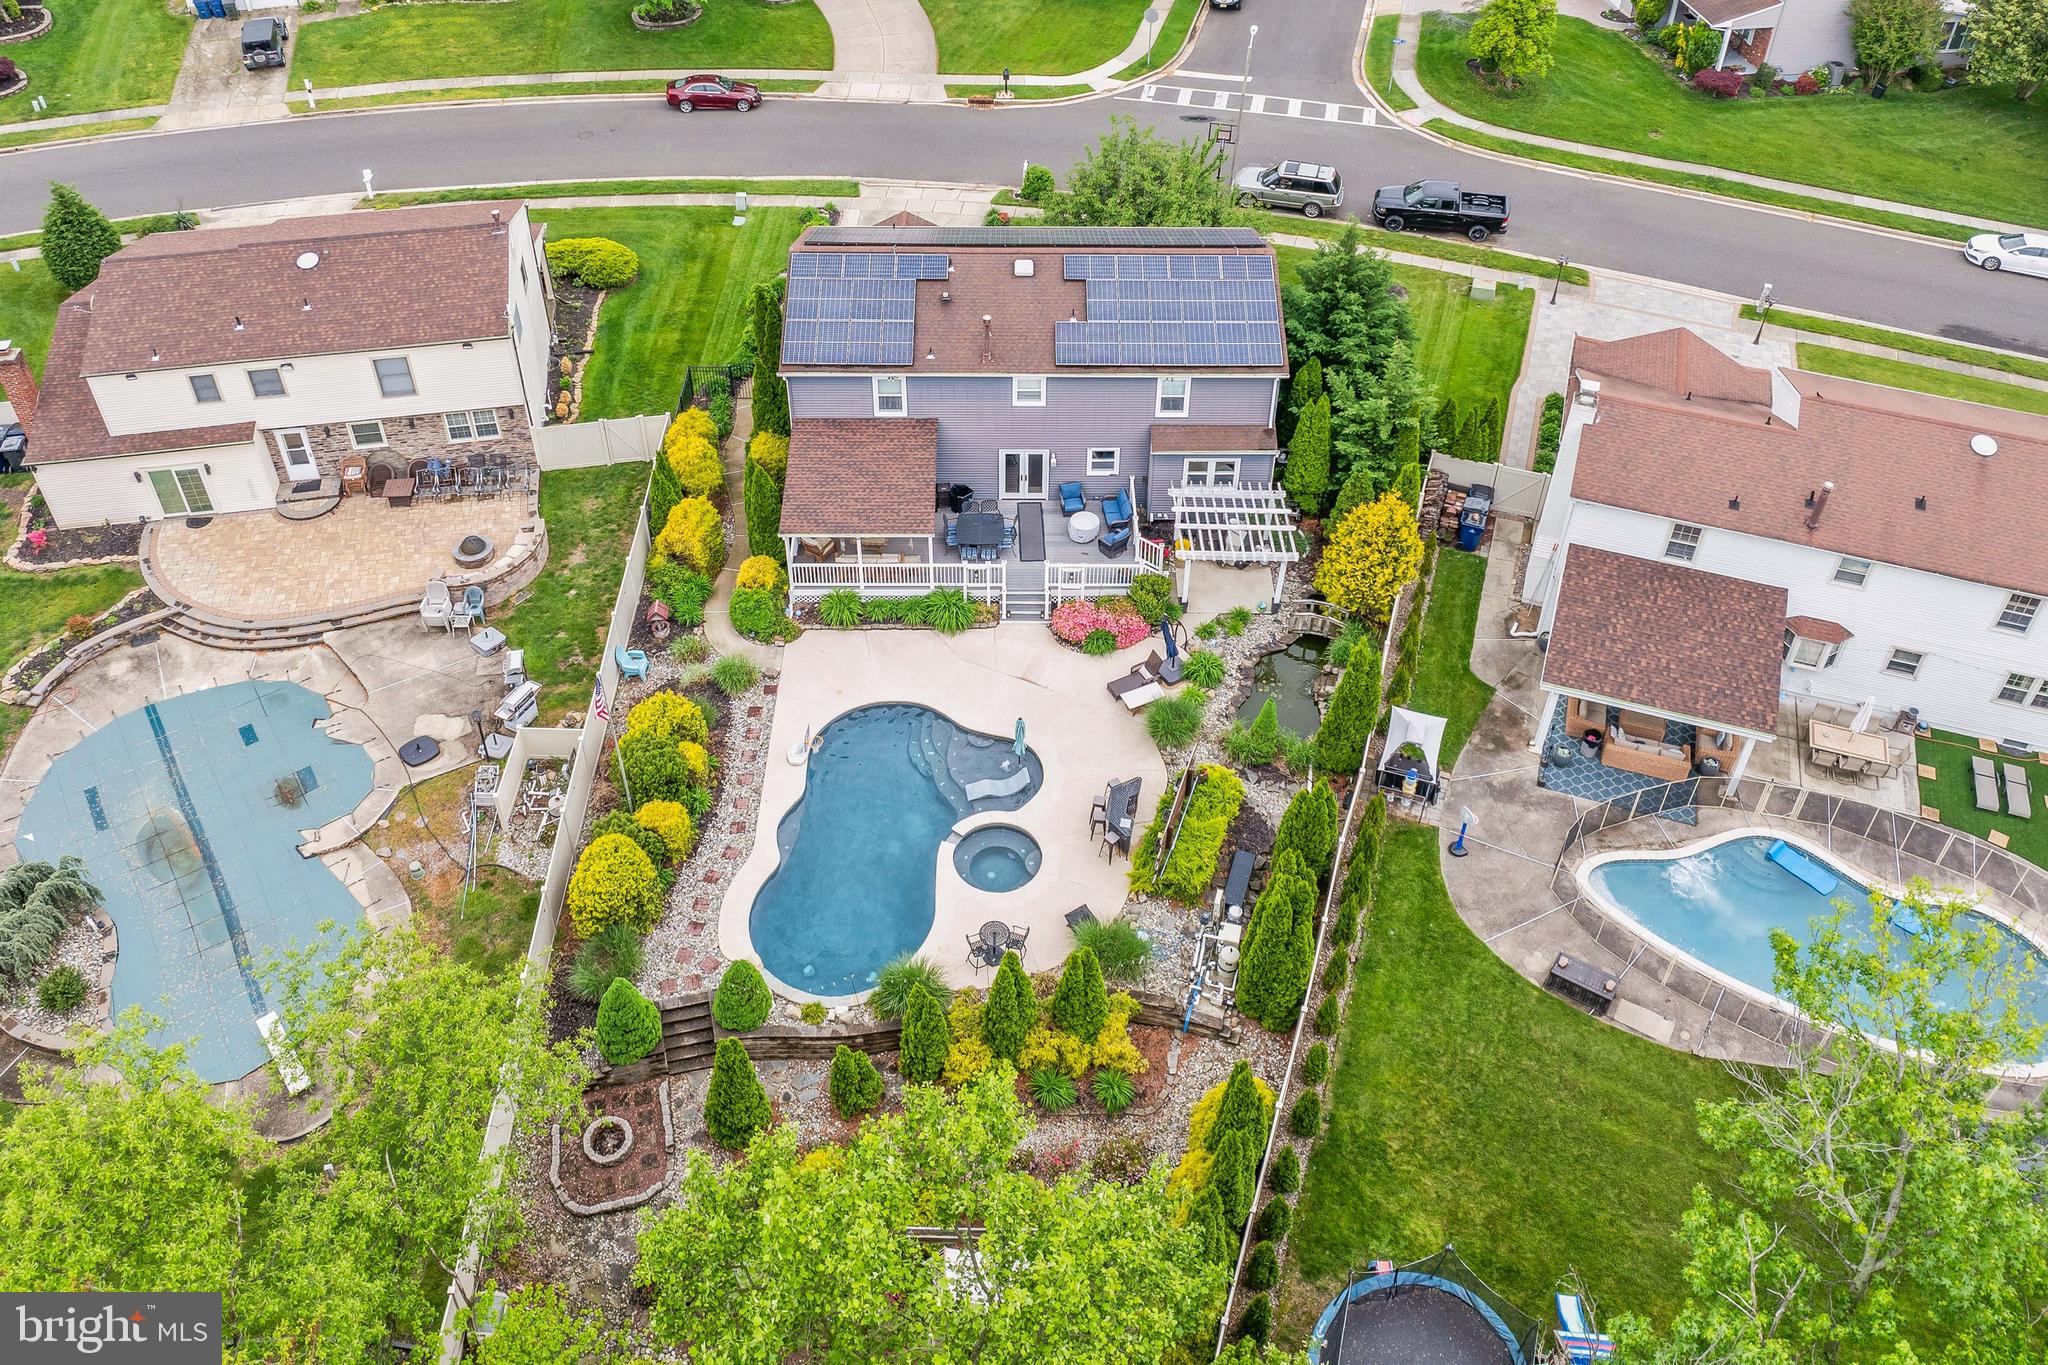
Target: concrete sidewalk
[{"x": 1428, "y": 107}]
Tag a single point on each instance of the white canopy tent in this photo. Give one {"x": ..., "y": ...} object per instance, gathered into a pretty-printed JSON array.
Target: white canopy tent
[
  {"x": 1426, "y": 734},
  {"x": 1243, "y": 524}
]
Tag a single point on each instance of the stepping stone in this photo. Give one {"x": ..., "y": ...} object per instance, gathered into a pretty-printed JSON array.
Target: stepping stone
[
  {"x": 753, "y": 732},
  {"x": 693, "y": 982},
  {"x": 738, "y": 827},
  {"x": 709, "y": 963},
  {"x": 683, "y": 956},
  {"x": 1930, "y": 813},
  {"x": 1926, "y": 770},
  {"x": 711, "y": 876},
  {"x": 696, "y": 926},
  {"x": 753, "y": 711},
  {"x": 746, "y": 779},
  {"x": 732, "y": 850},
  {"x": 700, "y": 903},
  {"x": 1997, "y": 839},
  {"x": 667, "y": 986},
  {"x": 772, "y": 688}
]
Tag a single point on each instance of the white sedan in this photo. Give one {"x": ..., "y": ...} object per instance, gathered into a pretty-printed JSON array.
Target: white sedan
[{"x": 2023, "y": 253}]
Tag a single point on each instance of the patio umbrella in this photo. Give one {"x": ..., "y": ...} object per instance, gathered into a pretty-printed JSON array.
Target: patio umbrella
[
  {"x": 1166, "y": 633},
  {"x": 1862, "y": 721},
  {"x": 1019, "y": 744}
]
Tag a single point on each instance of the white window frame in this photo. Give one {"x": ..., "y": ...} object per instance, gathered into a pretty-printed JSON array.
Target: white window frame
[
  {"x": 355, "y": 441},
  {"x": 276, "y": 373},
  {"x": 900, "y": 392},
  {"x": 472, "y": 427},
  {"x": 1211, "y": 472},
  {"x": 1027, "y": 390},
  {"x": 1955, "y": 33},
  {"x": 1852, "y": 571},
  {"x": 1901, "y": 656},
  {"x": 211, "y": 383},
  {"x": 178, "y": 482},
  {"x": 1115, "y": 454},
  {"x": 1809, "y": 654},
  {"x": 1682, "y": 542},
  {"x": 2021, "y": 689},
  {"x": 2021, "y": 608},
  {"x": 1186, "y": 396},
  {"x": 376, "y": 368}
]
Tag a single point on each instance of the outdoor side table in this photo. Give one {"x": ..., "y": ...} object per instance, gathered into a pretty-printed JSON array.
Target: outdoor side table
[
  {"x": 398, "y": 492},
  {"x": 1083, "y": 527}
]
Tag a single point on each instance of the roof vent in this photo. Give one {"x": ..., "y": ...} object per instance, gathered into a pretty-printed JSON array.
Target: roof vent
[
  {"x": 308, "y": 259},
  {"x": 1589, "y": 393},
  {"x": 1023, "y": 267},
  {"x": 1983, "y": 445}
]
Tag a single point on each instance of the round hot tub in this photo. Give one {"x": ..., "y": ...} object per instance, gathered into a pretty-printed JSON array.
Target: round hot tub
[
  {"x": 471, "y": 551},
  {"x": 996, "y": 858}
]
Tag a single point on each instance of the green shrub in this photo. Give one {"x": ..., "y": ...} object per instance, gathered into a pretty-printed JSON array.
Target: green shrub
[
  {"x": 840, "y": 608},
  {"x": 606, "y": 956},
  {"x": 1336, "y": 971},
  {"x": 1316, "y": 1064},
  {"x": 926, "y": 1039},
  {"x": 1309, "y": 827},
  {"x": 651, "y": 843},
  {"x": 672, "y": 822},
  {"x": 1151, "y": 594},
  {"x": 1116, "y": 946},
  {"x": 733, "y": 675},
  {"x": 757, "y": 615},
  {"x": 893, "y": 984},
  {"x": 1305, "y": 1120},
  {"x": 742, "y": 1002},
  {"x": 1346, "y": 927},
  {"x": 1328, "y": 1015},
  {"x": 1011, "y": 1010},
  {"x": 1297, "y": 754},
  {"x": 1650, "y": 13},
  {"x": 812, "y": 1012},
  {"x": 598, "y": 262},
  {"x": 628, "y": 1024},
  {"x": 735, "y": 1105},
  {"x": 1099, "y": 642},
  {"x": 1235, "y": 1175},
  {"x": 1353, "y": 711},
  {"x": 948, "y": 611},
  {"x": 614, "y": 883},
  {"x": 1284, "y": 1175},
  {"x": 1203, "y": 668},
  {"x": 1278, "y": 951},
  {"x": 1114, "y": 1091},
  {"x": 76, "y": 238},
  {"x": 1192, "y": 865},
  {"x": 1236, "y": 620},
  {"x": 1275, "y": 1218},
  {"x": 654, "y": 768},
  {"x": 1262, "y": 1268},
  {"x": 721, "y": 415},
  {"x": 1257, "y": 743},
  {"x": 1080, "y": 1002},
  {"x": 855, "y": 1085},
  {"x": 1174, "y": 722},
  {"x": 1038, "y": 185},
  {"x": 64, "y": 989},
  {"x": 678, "y": 586},
  {"x": 1208, "y": 630},
  {"x": 1053, "y": 1089},
  {"x": 1255, "y": 1324}
]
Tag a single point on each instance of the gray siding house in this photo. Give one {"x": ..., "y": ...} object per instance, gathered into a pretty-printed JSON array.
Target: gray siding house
[{"x": 1016, "y": 364}]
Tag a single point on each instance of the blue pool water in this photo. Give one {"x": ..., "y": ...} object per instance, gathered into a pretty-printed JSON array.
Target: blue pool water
[
  {"x": 856, "y": 886},
  {"x": 1720, "y": 905},
  {"x": 181, "y": 812},
  {"x": 996, "y": 858}
]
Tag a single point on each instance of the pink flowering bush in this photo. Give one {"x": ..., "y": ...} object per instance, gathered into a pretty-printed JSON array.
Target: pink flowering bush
[
  {"x": 1072, "y": 621},
  {"x": 38, "y": 541}
]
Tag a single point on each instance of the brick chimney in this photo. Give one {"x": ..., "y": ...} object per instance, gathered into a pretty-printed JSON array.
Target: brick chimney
[{"x": 20, "y": 383}]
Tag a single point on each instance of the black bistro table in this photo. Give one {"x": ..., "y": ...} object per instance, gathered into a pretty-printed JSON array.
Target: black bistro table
[
  {"x": 979, "y": 530},
  {"x": 995, "y": 940}
]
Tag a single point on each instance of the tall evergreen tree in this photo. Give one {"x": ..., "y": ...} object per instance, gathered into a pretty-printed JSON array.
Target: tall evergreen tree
[
  {"x": 76, "y": 238},
  {"x": 1443, "y": 426},
  {"x": 1234, "y": 1178},
  {"x": 1132, "y": 177},
  {"x": 771, "y": 394},
  {"x": 1308, "y": 457},
  {"x": 1242, "y": 1108},
  {"x": 1353, "y": 711},
  {"x": 735, "y": 1104},
  {"x": 1356, "y": 492},
  {"x": 1011, "y": 1010},
  {"x": 1342, "y": 310},
  {"x": 926, "y": 1039},
  {"x": 1080, "y": 1003},
  {"x": 1309, "y": 827}
]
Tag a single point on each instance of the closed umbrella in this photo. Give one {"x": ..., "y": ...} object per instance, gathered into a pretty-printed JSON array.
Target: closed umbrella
[
  {"x": 1170, "y": 670},
  {"x": 1018, "y": 745},
  {"x": 1862, "y": 721}
]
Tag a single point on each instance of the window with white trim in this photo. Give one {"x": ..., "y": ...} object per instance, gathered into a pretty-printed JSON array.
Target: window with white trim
[
  {"x": 1210, "y": 473},
  {"x": 890, "y": 399},
  {"x": 180, "y": 492},
  {"x": 1683, "y": 543},
  {"x": 1027, "y": 391},
  {"x": 1173, "y": 398},
  {"x": 2022, "y": 690},
  {"x": 366, "y": 435},
  {"x": 266, "y": 383},
  {"x": 1955, "y": 35},
  {"x": 1102, "y": 461},
  {"x": 1904, "y": 662},
  {"x": 1801, "y": 652},
  {"x": 1853, "y": 571},
  {"x": 2019, "y": 612},
  {"x": 394, "y": 376},
  {"x": 205, "y": 388},
  {"x": 480, "y": 425}
]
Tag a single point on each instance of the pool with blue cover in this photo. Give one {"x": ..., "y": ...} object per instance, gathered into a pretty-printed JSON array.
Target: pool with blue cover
[{"x": 187, "y": 813}]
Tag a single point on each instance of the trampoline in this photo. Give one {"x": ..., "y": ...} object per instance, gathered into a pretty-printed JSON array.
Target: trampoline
[{"x": 1431, "y": 1312}]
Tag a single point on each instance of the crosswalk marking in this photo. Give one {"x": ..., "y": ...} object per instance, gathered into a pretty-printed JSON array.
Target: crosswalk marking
[{"x": 1240, "y": 102}]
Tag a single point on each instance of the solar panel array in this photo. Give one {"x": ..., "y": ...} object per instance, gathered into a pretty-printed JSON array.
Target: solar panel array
[
  {"x": 854, "y": 308},
  {"x": 1173, "y": 310}
]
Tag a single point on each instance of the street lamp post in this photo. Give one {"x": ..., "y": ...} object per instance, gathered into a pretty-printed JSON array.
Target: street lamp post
[
  {"x": 1562, "y": 261},
  {"x": 1763, "y": 311},
  {"x": 1245, "y": 90}
]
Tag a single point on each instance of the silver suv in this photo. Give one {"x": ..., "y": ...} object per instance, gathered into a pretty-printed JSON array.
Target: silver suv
[{"x": 1315, "y": 190}]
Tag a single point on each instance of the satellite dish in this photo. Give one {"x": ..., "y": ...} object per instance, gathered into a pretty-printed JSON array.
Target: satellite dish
[{"x": 308, "y": 259}]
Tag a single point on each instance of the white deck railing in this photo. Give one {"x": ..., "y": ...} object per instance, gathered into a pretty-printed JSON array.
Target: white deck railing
[
  {"x": 809, "y": 582},
  {"x": 1065, "y": 582}
]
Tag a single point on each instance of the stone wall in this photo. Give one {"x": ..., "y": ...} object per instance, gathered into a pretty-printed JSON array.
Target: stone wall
[{"x": 421, "y": 436}]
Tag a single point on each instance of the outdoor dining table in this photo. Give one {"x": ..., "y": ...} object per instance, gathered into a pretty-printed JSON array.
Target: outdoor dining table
[
  {"x": 979, "y": 530},
  {"x": 995, "y": 937},
  {"x": 1122, "y": 808},
  {"x": 1839, "y": 739}
]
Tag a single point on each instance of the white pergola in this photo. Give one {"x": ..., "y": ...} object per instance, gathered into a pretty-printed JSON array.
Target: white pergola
[{"x": 1242, "y": 524}]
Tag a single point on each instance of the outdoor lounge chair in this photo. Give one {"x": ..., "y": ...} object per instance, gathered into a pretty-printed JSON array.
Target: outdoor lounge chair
[
  {"x": 1237, "y": 887},
  {"x": 1140, "y": 686},
  {"x": 1985, "y": 778},
  {"x": 632, "y": 662},
  {"x": 436, "y": 607},
  {"x": 2019, "y": 797},
  {"x": 1116, "y": 510},
  {"x": 1079, "y": 916},
  {"x": 1071, "y": 498},
  {"x": 1582, "y": 1345},
  {"x": 1113, "y": 541}
]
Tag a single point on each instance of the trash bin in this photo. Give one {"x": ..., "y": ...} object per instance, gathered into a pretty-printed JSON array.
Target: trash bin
[
  {"x": 1472, "y": 520},
  {"x": 953, "y": 497}
]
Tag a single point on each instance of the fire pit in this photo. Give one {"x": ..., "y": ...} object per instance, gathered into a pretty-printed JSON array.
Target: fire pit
[{"x": 471, "y": 551}]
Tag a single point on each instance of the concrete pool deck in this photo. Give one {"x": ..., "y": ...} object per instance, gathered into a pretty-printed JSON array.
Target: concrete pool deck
[{"x": 982, "y": 680}]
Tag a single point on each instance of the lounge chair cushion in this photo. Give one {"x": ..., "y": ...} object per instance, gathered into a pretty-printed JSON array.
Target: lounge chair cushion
[
  {"x": 1071, "y": 498},
  {"x": 2019, "y": 796}
]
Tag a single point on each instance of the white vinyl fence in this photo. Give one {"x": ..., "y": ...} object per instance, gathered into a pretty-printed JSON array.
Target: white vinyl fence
[
  {"x": 1516, "y": 492},
  {"x": 609, "y": 440}
]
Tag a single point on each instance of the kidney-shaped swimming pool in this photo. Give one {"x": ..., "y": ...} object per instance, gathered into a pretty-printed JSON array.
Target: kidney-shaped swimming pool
[{"x": 856, "y": 884}]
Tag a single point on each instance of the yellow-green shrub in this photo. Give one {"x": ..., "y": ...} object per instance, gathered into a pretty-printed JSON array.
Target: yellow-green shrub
[
  {"x": 614, "y": 883},
  {"x": 694, "y": 535},
  {"x": 1115, "y": 1050},
  {"x": 771, "y": 452},
  {"x": 695, "y": 758},
  {"x": 966, "y": 1059},
  {"x": 695, "y": 463},
  {"x": 671, "y": 715},
  {"x": 759, "y": 571},
  {"x": 672, "y": 822},
  {"x": 599, "y": 262},
  {"x": 963, "y": 1017},
  {"x": 690, "y": 422},
  {"x": 1054, "y": 1047}
]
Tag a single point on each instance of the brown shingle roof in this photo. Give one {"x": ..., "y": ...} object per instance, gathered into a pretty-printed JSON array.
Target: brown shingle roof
[
  {"x": 1170, "y": 438},
  {"x": 1687, "y": 643},
  {"x": 870, "y": 476},
  {"x": 1814, "y": 628},
  {"x": 1719, "y": 12},
  {"x": 1677, "y": 362},
  {"x": 67, "y": 421},
  {"x": 904, "y": 218},
  {"x": 1882, "y": 448},
  {"x": 406, "y": 277}
]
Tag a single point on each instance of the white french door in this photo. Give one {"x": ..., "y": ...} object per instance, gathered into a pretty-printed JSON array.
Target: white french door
[{"x": 1024, "y": 473}]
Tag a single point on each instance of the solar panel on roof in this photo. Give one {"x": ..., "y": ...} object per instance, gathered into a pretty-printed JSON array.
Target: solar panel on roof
[
  {"x": 881, "y": 265},
  {"x": 1036, "y": 236},
  {"x": 861, "y": 318}
]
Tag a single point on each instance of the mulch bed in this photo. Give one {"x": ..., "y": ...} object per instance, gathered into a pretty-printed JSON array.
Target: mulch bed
[
  {"x": 567, "y": 1016},
  {"x": 92, "y": 542},
  {"x": 575, "y": 310},
  {"x": 34, "y": 19},
  {"x": 647, "y": 1162}
]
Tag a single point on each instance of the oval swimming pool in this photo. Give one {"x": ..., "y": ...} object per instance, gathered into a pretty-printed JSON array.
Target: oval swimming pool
[
  {"x": 1719, "y": 904},
  {"x": 855, "y": 885}
]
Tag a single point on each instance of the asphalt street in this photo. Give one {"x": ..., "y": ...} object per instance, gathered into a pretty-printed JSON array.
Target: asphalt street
[{"x": 1304, "y": 52}]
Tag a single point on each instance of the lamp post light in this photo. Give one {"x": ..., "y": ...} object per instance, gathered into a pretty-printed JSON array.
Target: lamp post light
[
  {"x": 1245, "y": 90},
  {"x": 1763, "y": 311},
  {"x": 1562, "y": 261}
]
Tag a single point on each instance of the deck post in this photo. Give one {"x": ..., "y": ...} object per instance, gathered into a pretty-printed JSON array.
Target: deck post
[
  {"x": 1742, "y": 759},
  {"x": 1543, "y": 720}
]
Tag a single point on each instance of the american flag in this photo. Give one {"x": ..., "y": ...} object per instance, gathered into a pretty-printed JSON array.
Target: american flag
[{"x": 597, "y": 706}]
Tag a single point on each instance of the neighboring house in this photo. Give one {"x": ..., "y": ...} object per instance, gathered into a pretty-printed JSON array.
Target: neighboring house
[
  {"x": 234, "y": 369},
  {"x": 1143, "y": 365},
  {"x": 1719, "y": 541},
  {"x": 1798, "y": 35}
]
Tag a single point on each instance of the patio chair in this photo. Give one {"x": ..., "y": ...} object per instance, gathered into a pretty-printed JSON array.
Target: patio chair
[
  {"x": 1114, "y": 541},
  {"x": 977, "y": 952},
  {"x": 1071, "y": 498},
  {"x": 1009, "y": 535},
  {"x": 2019, "y": 797},
  {"x": 435, "y": 606},
  {"x": 1098, "y": 816},
  {"x": 1079, "y": 916},
  {"x": 1018, "y": 934},
  {"x": 1582, "y": 1345},
  {"x": 952, "y": 534},
  {"x": 1985, "y": 778},
  {"x": 632, "y": 662},
  {"x": 473, "y": 601},
  {"x": 1140, "y": 686},
  {"x": 1116, "y": 510}
]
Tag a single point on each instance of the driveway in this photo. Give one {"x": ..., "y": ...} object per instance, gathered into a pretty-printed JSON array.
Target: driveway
[{"x": 213, "y": 90}]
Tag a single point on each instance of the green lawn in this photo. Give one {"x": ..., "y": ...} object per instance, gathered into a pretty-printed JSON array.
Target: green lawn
[
  {"x": 689, "y": 305},
  {"x": 28, "y": 309},
  {"x": 458, "y": 94},
  {"x": 1468, "y": 349},
  {"x": 1444, "y": 682},
  {"x": 1903, "y": 374},
  {"x": 1421, "y": 244},
  {"x": 35, "y": 606},
  {"x": 415, "y": 42},
  {"x": 1379, "y": 63},
  {"x": 1471, "y": 1107},
  {"x": 1031, "y": 37},
  {"x": 1905, "y": 341},
  {"x": 100, "y": 54},
  {"x": 1166, "y": 40},
  {"x": 1020, "y": 92},
  {"x": 1952, "y": 792},
  {"x": 1958, "y": 149},
  {"x": 590, "y": 515}
]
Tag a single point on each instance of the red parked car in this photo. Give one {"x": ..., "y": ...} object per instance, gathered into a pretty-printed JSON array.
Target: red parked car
[{"x": 687, "y": 93}]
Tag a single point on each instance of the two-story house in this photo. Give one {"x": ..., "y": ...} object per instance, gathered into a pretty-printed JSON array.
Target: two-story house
[
  {"x": 236, "y": 369},
  {"x": 1719, "y": 542},
  {"x": 1073, "y": 376},
  {"x": 1795, "y": 36}
]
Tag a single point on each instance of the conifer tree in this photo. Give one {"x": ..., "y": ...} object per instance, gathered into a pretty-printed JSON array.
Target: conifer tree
[
  {"x": 1011, "y": 1010},
  {"x": 735, "y": 1104},
  {"x": 926, "y": 1039},
  {"x": 1080, "y": 1003},
  {"x": 76, "y": 238}
]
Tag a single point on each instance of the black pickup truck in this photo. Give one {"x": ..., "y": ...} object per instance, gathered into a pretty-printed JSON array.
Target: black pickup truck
[{"x": 1440, "y": 204}]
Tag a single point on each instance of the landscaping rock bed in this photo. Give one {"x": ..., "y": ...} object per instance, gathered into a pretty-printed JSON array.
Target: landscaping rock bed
[
  {"x": 40, "y": 546},
  {"x": 34, "y": 22},
  {"x": 67, "y": 650}
]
